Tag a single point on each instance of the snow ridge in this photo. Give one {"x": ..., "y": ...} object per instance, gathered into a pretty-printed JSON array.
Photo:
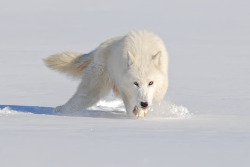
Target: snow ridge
[
  {"x": 111, "y": 109},
  {"x": 7, "y": 111}
]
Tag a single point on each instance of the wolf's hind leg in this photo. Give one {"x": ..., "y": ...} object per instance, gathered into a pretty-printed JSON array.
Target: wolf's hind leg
[
  {"x": 77, "y": 102},
  {"x": 92, "y": 88}
]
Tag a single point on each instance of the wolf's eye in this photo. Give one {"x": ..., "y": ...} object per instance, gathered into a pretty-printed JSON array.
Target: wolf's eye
[
  {"x": 136, "y": 84},
  {"x": 150, "y": 83}
]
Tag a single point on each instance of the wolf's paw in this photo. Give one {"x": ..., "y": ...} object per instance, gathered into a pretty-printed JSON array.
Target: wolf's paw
[{"x": 140, "y": 112}]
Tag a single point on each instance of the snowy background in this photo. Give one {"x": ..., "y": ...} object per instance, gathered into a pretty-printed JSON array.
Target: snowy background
[{"x": 204, "y": 121}]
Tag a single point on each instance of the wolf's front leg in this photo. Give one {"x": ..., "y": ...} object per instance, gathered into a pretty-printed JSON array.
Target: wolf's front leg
[{"x": 128, "y": 106}]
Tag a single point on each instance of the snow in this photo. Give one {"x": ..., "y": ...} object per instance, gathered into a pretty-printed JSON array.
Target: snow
[
  {"x": 45, "y": 140},
  {"x": 204, "y": 121}
]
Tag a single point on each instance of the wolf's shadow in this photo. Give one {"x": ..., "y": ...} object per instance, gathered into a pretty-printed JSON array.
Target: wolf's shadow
[{"x": 85, "y": 113}]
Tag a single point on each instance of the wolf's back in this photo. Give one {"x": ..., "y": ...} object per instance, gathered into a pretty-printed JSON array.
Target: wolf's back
[{"x": 71, "y": 63}]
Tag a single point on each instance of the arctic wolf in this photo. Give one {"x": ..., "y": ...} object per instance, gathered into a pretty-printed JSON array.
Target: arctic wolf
[{"x": 134, "y": 67}]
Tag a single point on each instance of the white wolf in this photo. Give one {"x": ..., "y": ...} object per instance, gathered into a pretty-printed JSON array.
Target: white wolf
[{"x": 134, "y": 66}]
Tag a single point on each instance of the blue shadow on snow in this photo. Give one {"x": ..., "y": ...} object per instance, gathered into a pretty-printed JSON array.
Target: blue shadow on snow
[
  {"x": 85, "y": 113},
  {"x": 31, "y": 109}
]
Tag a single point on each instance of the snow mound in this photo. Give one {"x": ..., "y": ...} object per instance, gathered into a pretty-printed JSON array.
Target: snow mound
[
  {"x": 165, "y": 110},
  {"x": 7, "y": 111},
  {"x": 109, "y": 105},
  {"x": 169, "y": 110}
]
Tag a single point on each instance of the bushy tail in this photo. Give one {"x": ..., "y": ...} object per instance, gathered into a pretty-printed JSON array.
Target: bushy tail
[{"x": 70, "y": 63}]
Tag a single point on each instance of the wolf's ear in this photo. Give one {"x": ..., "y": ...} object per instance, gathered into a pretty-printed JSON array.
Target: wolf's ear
[
  {"x": 157, "y": 58},
  {"x": 131, "y": 58}
]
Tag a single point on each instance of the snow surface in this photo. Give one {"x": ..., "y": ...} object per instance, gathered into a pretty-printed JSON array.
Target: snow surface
[{"x": 204, "y": 121}]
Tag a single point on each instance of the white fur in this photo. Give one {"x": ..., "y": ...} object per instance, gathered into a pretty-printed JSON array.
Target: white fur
[{"x": 139, "y": 56}]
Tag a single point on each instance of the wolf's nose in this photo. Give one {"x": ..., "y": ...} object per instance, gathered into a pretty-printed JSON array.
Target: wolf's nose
[{"x": 144, "y": 104}]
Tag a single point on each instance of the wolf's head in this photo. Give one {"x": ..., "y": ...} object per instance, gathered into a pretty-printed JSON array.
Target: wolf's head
[
  {"x": 146, "y": 83},
  {"x": 145, "y": 79}
]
